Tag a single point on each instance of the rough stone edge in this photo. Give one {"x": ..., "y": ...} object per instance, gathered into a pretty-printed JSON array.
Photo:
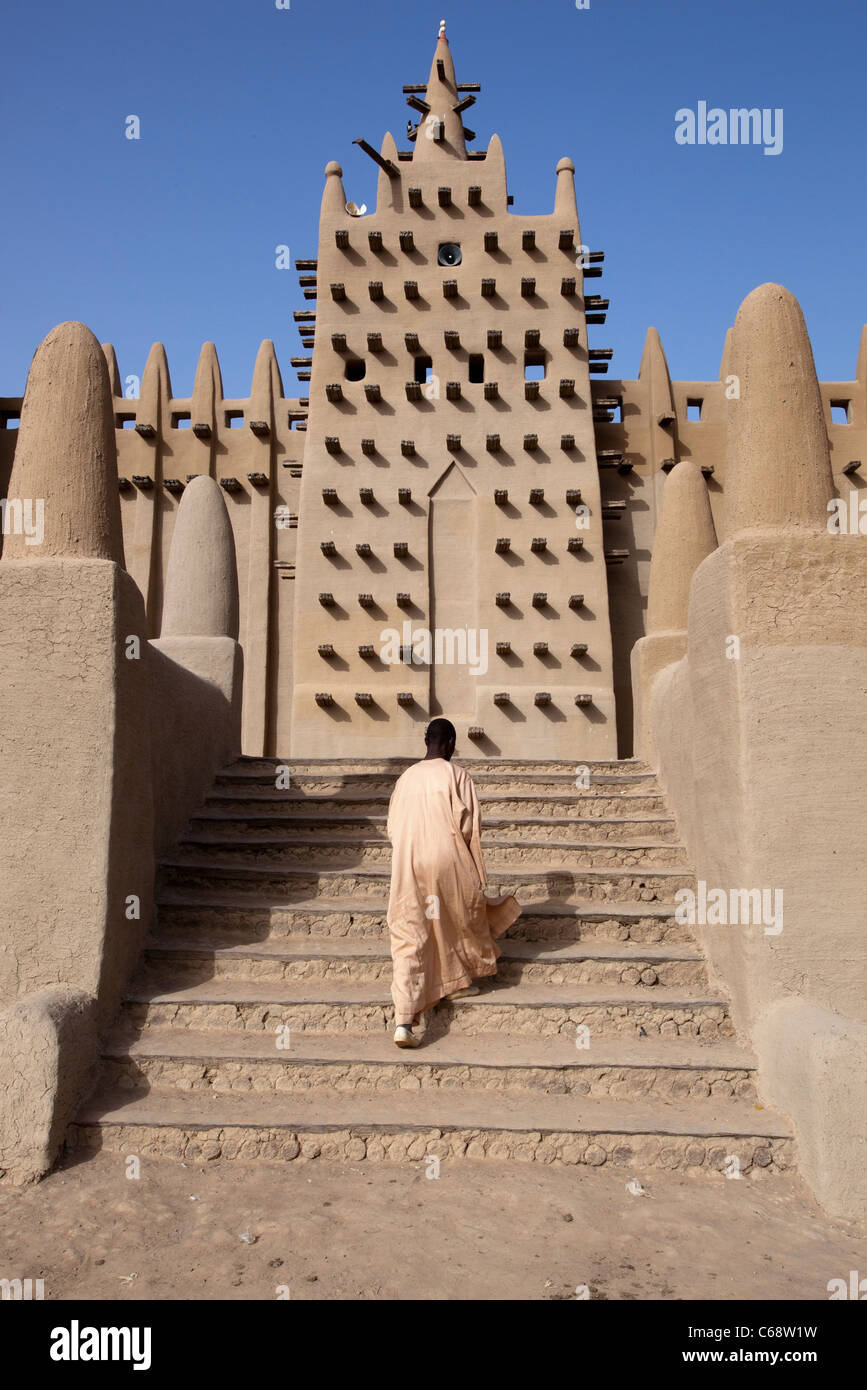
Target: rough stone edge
[
  {"x": 757, "y": 1156},
  {"x": 48, "y": 1052}
]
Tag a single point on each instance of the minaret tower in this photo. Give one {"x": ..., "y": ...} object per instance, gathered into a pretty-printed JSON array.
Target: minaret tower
[{"x": 450, "y": 553}]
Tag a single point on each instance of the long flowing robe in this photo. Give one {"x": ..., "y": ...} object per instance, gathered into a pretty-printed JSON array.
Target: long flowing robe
[{"x": 443, "y": 928}]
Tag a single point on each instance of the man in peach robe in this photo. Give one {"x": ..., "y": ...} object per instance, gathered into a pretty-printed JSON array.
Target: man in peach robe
[{"x": 443, "y": 929}]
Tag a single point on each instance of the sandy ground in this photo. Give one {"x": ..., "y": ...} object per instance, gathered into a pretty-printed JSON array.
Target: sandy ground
[{"x": 481, "y": 1230}]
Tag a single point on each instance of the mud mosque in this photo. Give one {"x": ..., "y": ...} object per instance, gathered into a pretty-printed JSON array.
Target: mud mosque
[{"x": 462, "y": 511}]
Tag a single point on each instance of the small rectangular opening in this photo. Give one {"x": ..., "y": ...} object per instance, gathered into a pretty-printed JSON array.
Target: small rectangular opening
[
  {"x": 534, "y": 366},
  {"x": 181, "y": 420},
  {"x": 235, "y": 419},
  {"x": 9, "y": 422},
  {"x": 477, "y": 366},
  {"x": 693, "y": 409},
  {"x": 839, "y": 412},
  {"x": 423, "y": 369},
  {"x": 124, "y": 422}
]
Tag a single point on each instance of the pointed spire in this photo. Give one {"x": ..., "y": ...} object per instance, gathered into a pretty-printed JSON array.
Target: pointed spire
[
  {"x": 207, "y": 389},
  {"x": 66, "y": 456},
  {"x": 388, "y": 191},
  {"x": 334, "y": 195},
  {"x": 655, "y": 377},
  {"x": 778, "y": 468},
  {"x": 267, "y": 384},
  {"x": 684, "y": 537},
  {"x": 156, "y": 390},
  {"x": 442, "y": 97},
  {"x": 494, "y": 168},
  {"x": 201, "y": 593},
  {"x": 565, "y": 203},
  {"x": 653, "y": 372},
  {"x": 113, "y": 373}
]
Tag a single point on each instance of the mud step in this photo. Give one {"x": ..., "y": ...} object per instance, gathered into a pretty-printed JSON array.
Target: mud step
[
  {"x": 382, "y": 783},
  {"x": 333, "y": 851},
  {"x": 623, "y": 1068},
  {"x": 574, "y": 805},
  {"x": 307, "y": 958},
  {"x": 493, "y": 1051},
  {"x": 614, "y": 767},
  {"x": 287, "y": 826},
  {"x": 330, "y": 1006},
  {"x": 563, "y": 881},
  {"x": 415, "y": 1125},
  {"x": 227, "y": 916}
]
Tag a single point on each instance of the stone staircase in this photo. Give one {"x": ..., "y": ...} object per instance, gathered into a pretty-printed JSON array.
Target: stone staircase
[{"x": 260, "y": 1022}]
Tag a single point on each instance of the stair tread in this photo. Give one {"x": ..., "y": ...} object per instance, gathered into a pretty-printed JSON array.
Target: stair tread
[
  {"x": 289, "y": 795},
  {"x": 537, "y": 773},
  {"x": 588, "y": 911},
  {"x": 376, "y": 820},
  {"x": 480, "y": 1050},
  {"x": 492, "y": 848},
  {"x": 247, "y": 759},
  {"x": 377, "y": 992},
  {"x": 489, "y": 842},
  {"x": 373, "y": 948},
  {"x": 374, "y": 871},
  {"x": 381, "y": 816},
  {"x": 423, "y": 1109}
]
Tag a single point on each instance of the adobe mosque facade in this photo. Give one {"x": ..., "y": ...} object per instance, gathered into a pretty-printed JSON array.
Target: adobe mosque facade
[
  {"x": 674, "y": 569},
  {"x": 456, "y": 513}
]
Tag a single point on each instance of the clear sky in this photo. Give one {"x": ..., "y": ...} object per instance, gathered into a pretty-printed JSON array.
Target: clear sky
[{"x": 173, "y": 236}]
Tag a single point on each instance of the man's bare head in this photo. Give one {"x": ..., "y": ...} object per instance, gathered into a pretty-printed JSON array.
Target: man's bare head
[{"x": 440, "y": 737}]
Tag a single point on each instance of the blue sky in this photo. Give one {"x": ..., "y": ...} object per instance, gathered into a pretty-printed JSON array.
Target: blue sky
[{"x": 172, "y": 237}]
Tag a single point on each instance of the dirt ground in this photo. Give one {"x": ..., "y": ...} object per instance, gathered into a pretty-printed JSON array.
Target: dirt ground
[{"x": 481, "y": 1230}]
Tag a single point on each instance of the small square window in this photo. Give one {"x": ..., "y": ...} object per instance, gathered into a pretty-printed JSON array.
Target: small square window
[
  {"x": 181, "y": 421},
  {"x": 477, "y": 367},
  {"x": 423, "y": 369},
  {"x": 839, "y": 412},
  {"x": 534, "y": 366},
  {"x": 235, "y": 419},
  {"x": 693, "y": 409},
  {"x": 355, "y": 369}
]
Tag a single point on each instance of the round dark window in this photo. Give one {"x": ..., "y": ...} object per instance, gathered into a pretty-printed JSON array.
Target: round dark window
[{"x": 449, "y": 253}]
